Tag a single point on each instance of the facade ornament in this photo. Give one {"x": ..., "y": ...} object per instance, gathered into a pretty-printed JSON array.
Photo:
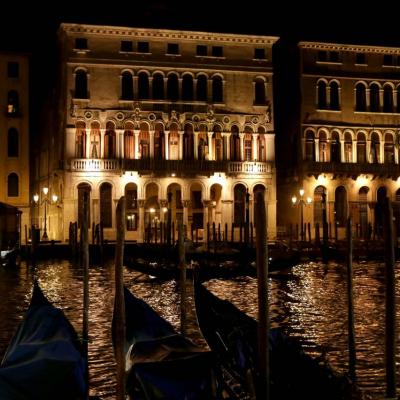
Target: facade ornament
[
  {"x": 141, "y": 203},
  {"x": 186, "y": 203},
  {"x": 268, "y": 113},
  {"x": 163, "y": 203},
  {"x": 210, "y": 113},
  {"x": 174, "y": 116},
  {"x": 74, "y": 109}
]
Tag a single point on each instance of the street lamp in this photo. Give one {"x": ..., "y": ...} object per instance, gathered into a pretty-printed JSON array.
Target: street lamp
[
  {"x": 300, "y": 202},
  {"x": 45, "y": 201}
]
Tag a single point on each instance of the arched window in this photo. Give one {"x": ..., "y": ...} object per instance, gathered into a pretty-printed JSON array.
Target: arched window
[
  {"x": 389, "y": 149},
  {"x": 348, "y": 148},
  {"x": 323, "y": 148},
  {"x": 81, "y": 87},
  {"x": 80, "y": 140},
  {"x": 340, "y": 206},
  {"x": 159, "y": 142},
  {"x": 321, "y": 101},
  {"x": 335, "y": 147},
  {"x": 334, "y": 96},
  {"x": 218, "y": 143},
  {"x": 248, "y": 144},
  {"x": 12, "y": 102},
  {"x": 310, "y": 146},
  {"x": 129, "y": 141},
  {"x": 187, "y": 87},
  {"x": 217, "y": 91},
  {"x": 361, "y": 148},
  {"x": 188, "y": 145},
  {"x": 374, "y": 103},
  {"x": 361, "y": 97},
  {"x": 319, "y": 194},
  {"x": 202, "y": 147},
  {"x": 95, "y": 138},
  {"x": 259, "y": 92},
  {"x": 239, "y": 204},
  {"x": 387, "y": 99},
  {"x": 158, "y": 87},
  {"x": 202, "y": 88},
  {"x": 106, "y": 205},
  {"x": 110, "y": 141},
  {"x": 82, "y": 189},
  {"x": 235, "y": 143},
  {"x": 127, "y": 86},
  {"x": 13, "y": 185},
  {"x": 144, "y": 142},
  {"x": 143, "y": 86},
  {"x": 12, "y": 143},
  {"x": 375, "y": 148},
  {"x": 261, "y": 145},
  {"x": 172, "y": 87},
  {"x": 131, "y": 207}
]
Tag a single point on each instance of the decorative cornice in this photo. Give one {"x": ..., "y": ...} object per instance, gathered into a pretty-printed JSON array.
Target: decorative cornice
[
  {"x": 144, "y": 33},
  {"x": 349, "y": 47}
]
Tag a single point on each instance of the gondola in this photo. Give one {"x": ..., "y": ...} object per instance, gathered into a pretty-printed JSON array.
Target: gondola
[
  {"x": 161, "y": 363},
  {"x": 44, "y": 360},
  {"x": 232, "y": 335}
]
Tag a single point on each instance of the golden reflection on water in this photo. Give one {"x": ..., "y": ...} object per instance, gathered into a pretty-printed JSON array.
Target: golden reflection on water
[{"x": 308, "y": 301}]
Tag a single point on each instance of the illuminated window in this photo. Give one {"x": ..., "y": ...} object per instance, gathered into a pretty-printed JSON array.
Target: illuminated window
[
  {"x": 321, "y": 91},
  {"x": 13, "y": 103},
  {"x": 374, "y": 103}
]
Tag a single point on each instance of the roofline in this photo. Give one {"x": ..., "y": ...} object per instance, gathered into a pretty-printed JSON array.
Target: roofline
[
  {"x": 349, "y": 47},
  {"x": 166, "y": 34}
]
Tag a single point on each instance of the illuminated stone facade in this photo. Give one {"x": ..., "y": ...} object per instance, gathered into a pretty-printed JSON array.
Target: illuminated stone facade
[
  {"x": 348, "y": 136},
  {"x": 14, "y": 132},
  {"x": 148, "y": 112}
]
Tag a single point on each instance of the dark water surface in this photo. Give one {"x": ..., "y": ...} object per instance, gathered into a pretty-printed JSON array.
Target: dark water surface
[{"x": 308, "y": 301}]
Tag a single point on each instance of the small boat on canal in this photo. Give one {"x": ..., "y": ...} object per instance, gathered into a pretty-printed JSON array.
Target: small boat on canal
[
  {"x": 232, "y": 335},
  {"x": 44, "y": 360},
  {"x": 161, "y": 363}
]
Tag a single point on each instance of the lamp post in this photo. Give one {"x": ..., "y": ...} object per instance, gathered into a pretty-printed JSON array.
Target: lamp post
[
  {"x": 45, "y": 201},
  {"x": 300, "y": 202}
]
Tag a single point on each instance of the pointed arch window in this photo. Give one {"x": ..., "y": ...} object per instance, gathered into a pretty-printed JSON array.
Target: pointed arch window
[
  {"x": 321, "y": 93},
  {"x": 110, "y": 141},
  {"x": 374, "y": 98},
  {"x": 172, "y": 87},
  {"x": 348, "y": 147},
  {"x": 389, "y": 149},
  {"x": 12, "y": 103},
  {"x": 143, "y": 86},
  {"x": 259, "y": 92},
  {"x": 341, "y": 206},
  {"x": 388, "y": 99},
  {"x": 217, "y": 90},
  {"x": 127, "y": 86},
  {"x": 158, "y": 87},
  {"x": 310, "y": 146},
  {"x": 12, "y": 143},
  {"x": 361, "y": 97},
  {"x": 334, "y": 96},
  {"x": 106, "y": 205},
  {"x": 144, "y": 142},
  {"x": 361, "y": 148},
  {"x": 335, "y": 147},
  {"x": 131, "y": 207},
  {"x": 239, "y": 193},
  {"x": 261, "y": 145},
  {"x": 375, "y": 148},
  {"x": 188, "y": 143},
  {"x": 80, "y": 140},
  {"x": 323, "y": 148},
  {"x": 187, "y": 87},
  {"x": 201, "y": 88},
  {"x": 95, "y": 138},
  {"x": 129, "y": 141},
  {"x": 13, "y": 185},
  {"x": 235, "y": 143},
  {"x": 159, "y": 136},
  {"x": 81, "y": 86}
]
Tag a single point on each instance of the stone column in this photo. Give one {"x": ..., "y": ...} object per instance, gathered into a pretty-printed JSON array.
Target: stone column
[
  {"x": 151, "y": 134},
  {"x": 166, "y": 142},
  {"x": 241, "y": 137},
  {"x": 136, "y": 133},
  {"x": 186, "y": 205},
  {"x": 141, "y": 221},
  {"x": 180, "y": 157},
  {"x": 210, "y": 146},
  {"x": 196, "y": 145},
  {"x": 368, "y": 150},
  {"x": 163, "y": 204},
  {"x": 342, "y": 155},
  {"x": 120, "y": 143},
  {"x": 102, "y": 134},
  {"x": 87, "y": 144},
  {"x": 228, "y": 146},
  {"x": 317, "y": 150},
  {"x": 206, "y": 219},
  {"x": 354, "y": 151},
  {"x": 255, "y": 147}
]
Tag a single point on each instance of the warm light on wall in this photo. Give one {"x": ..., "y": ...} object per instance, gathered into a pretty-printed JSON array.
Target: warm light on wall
[
  {"x": 218, "y": 177},
  {"x": 362, "y": 180},
  {"x": 322, "y": 180}
]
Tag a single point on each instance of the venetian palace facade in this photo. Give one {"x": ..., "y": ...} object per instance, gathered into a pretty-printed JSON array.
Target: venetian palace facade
[
  {"x": 170, "y": 119},
  {"x": 348, "y": 135},
  {"x": 14, "y": 132}
]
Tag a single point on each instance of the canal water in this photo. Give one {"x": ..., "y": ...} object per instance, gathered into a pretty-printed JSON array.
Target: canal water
[{"x": 308, "y": 301}]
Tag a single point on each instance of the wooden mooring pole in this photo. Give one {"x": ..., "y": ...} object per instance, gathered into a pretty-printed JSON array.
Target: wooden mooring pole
[
  {"x": 119, "y": 300},
  {"x": 390, "y": 302},
  {"x": 182, "y": 281},
  {"x": 263, "y": 314},
  {"x": 85, "y": 265},
  {"x": 350, "y": 303}
]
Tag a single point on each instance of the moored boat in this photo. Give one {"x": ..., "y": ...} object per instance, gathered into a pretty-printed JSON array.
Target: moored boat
[
  {"x": 161, "y": 363},
  {"x": 44, "y": 360}
]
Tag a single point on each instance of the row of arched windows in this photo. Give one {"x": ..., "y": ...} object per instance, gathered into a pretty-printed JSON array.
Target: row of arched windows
[
  {"x": 372, "y": 97},
  {"x": 171, "y": 144},
  {"x": 360, "y": 150},
  {"x": 171, "y": 87}
]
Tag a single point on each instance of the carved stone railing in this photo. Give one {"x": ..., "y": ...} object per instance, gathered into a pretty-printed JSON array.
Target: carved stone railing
[{"x": 144, "y": 166}]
